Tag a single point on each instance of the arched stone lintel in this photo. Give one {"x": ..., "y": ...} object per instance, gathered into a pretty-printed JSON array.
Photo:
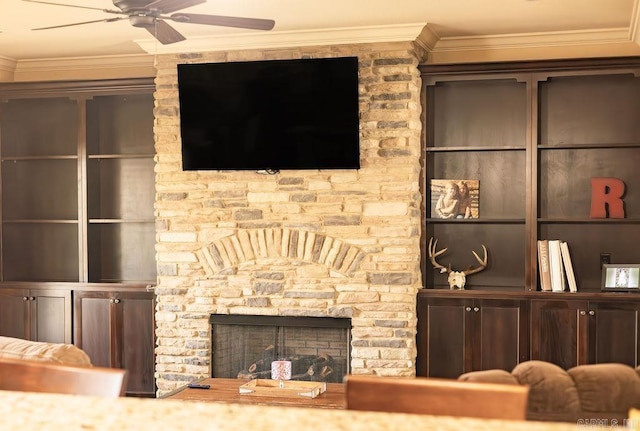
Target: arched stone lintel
[{"x": 255, "y": 244}]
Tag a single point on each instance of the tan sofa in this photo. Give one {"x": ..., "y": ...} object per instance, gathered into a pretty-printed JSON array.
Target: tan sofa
[
  {"x": 68, "y": 354},
  {"x": 583, "y": 393}
]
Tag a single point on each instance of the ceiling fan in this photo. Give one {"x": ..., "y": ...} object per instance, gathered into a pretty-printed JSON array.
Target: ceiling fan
[{"x": 152, "y": 15}]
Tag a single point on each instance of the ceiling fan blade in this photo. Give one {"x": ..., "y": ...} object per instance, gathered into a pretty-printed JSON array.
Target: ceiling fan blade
[
  {"x": 224, "y": 21},
  {"x": 168, "y": 6},
  {"x": 80, "y": 23},
  {"x": 164, "y": 33},
  {"x": 76, "y": 6}
]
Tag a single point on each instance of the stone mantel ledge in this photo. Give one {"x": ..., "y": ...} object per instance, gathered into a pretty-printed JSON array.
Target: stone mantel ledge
[{"x": 53, "y": 412}]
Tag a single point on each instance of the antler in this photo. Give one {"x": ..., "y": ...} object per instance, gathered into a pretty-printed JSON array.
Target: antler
[
  {"x": 483, "y": 262},
  {"x": 456, "y": 279},
  {"x": 433, "y": 254}
]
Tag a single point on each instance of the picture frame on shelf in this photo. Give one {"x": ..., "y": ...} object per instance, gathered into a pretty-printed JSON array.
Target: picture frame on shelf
[
  {"x": 620, "y": 277},
  {"x": 455, "y": 199}
]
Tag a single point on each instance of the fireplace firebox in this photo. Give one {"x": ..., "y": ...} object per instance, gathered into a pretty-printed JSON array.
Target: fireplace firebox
[{"x": 244, "y": 346}]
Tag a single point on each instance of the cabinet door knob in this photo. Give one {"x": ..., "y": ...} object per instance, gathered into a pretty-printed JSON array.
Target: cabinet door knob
[
  {"x": 592, "y": 313},
  {"x": 117, "y": 301},
  {"x": 32, "y": 298},
  {"x": 476, "y": 309},
  {"x": 468, "y": 309},
  {"x": 25, "y": 298},
  {"x": 582, "y": 312}
]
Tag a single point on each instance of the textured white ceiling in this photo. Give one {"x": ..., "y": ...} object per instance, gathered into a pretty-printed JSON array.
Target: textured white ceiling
[{"x": 450, "y": 22}]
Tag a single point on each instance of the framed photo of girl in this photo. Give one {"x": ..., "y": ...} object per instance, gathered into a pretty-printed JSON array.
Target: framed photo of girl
[
  {"x": 454, "y": 199},
  {"x": 620, "y": 277}
]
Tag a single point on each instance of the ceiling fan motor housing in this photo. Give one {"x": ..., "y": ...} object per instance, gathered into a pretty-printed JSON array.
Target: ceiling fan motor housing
[{"x": 127, "y": 5}]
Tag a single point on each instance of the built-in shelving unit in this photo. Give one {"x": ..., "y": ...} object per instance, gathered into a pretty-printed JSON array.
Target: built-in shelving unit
[
  {"x": 534, "y": 134},
  {"x": 77, "y": 184},
  {"x": 77, "y": 229},
  {"x": 120, "y": 188}
]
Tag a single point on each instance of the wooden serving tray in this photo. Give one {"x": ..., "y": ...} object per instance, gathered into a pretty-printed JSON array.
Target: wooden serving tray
[{"x": 291, "y": 388}]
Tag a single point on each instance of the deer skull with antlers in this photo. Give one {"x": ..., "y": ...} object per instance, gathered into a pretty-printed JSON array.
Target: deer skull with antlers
[{"x": 456, "y": 279}]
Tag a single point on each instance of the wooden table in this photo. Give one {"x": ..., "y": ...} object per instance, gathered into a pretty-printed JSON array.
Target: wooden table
[{"x": 227, "y": 390}]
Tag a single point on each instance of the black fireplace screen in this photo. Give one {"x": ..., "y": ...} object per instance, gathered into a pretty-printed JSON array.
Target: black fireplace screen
[{"x": 244, "y": 346}]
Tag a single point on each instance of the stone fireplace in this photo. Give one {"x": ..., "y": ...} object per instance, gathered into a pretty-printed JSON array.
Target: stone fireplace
[{"x": 340, "y": 244}]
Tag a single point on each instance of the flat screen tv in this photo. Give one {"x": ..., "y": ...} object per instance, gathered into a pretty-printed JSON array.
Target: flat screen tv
[{"x": 270, "y": 115}]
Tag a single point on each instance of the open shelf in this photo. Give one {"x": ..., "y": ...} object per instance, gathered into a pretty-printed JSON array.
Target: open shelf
[
  {"x": 78, "y": 184},
  {"x": 534, "y": 135}
]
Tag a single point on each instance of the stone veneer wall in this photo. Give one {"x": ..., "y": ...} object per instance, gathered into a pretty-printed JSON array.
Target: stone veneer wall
[{"x": 343, "y": 243}]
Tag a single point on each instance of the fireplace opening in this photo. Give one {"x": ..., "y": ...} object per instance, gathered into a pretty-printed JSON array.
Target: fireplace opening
[{"x": 244, "y": 346}]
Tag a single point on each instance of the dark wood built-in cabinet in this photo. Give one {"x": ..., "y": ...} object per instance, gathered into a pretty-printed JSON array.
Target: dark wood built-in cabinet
[
  {"x": 534, "y": 134},
  {"x": 116, "y": 329},
  {"x": 480, "y": 330},
  {"x": 36, "y": 314},
  {"x": 463, "y": 333},
  {"x": 585, "y": 331},
  {"x": 78, "y": 187}
]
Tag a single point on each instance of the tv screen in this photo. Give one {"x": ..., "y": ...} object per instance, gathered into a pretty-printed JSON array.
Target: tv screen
[{"x": 270, "y": 115}]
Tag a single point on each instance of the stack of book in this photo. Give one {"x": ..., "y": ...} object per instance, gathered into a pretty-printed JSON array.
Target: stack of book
[{"x": 555, "y": 267}]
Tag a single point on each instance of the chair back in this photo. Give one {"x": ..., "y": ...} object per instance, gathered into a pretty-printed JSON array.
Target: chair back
[
  {"x": 32, "y": 376},
  {"x": 440, "y": 397}
]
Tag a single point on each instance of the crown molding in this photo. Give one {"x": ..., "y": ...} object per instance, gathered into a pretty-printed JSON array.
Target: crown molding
[
  {"x": 7, "y": 68},
  {"x": 286, "y": 39},
  {"x": 603, "y": 43},
  {"x": 428, "y": 38},
  {"x": 504, "y": 47},
  {"x": 77, "y": 68},
  {"x": 528, "y": 40},
  {"x": 634, "y": 30},
  {"x": 528, "y": 46}
]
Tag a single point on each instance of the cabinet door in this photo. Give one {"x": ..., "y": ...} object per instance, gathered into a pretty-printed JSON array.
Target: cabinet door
[
  {"x": 135, "y": 340},
  {"x": 499, "y": 336},
  {"x": 36, "y": 314},
  {"x": 613, "y": 332},
  {"x": 116, "y": 329},
  {"x": 461, "y": 335},
  {"x": 443, "y": 350},
  {"x": 50, "y": 315},
  {"x": 14, "y": 313},
  {"x": 93, "y": 326},
  {"x": 559, "y": 332}
]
